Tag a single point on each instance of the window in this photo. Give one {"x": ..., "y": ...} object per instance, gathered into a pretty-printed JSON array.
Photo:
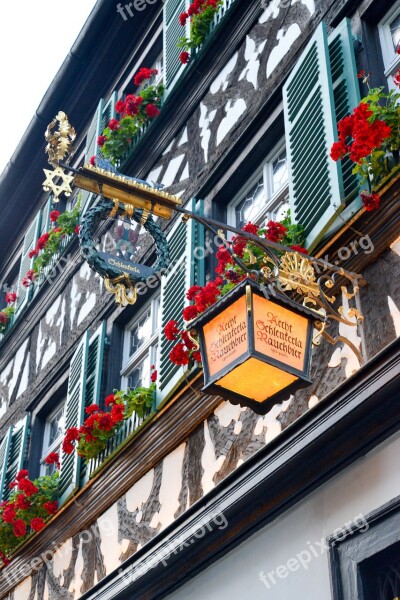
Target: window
[
  {"x": 52, "y": 438},
  {"x": 266, "y": 195},
  {"x": 365, "y": 561},
  {"x": 140, "y": 352},
  {"x": 389, "y": 31}
]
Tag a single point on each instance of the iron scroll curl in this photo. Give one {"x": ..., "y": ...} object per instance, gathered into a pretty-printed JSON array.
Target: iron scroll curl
[{"x": 89, "y": 224}]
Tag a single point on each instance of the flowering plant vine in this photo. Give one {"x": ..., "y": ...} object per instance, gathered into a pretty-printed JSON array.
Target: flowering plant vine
[
  {"x": 135, "y": 112},
  {"x": 7, "y": 312},
  {"x": 201, "y": 14},
  {"x": 50, "y": 242},
  {"x": 30, "y": 505},
  {"x": 370, "y": 137},
  {"x": 91, "y": 438},
  {"x": 185, "y": 351}
]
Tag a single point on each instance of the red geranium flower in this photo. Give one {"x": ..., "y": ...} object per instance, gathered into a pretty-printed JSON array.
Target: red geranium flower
[
  {"x": 21, "y": 475},
  {"x": 154, "y": 376},
  {"x": 179, "y": 355},
  {"x": 52, "y": 459},
  {"x": 3, "y": 317},
  {"x": 120, "y": 106},
  {"x": 190, "y": 312},
  {"x": 184, "y": 57},
  {"x": 9, "y": 514},
  {"x": 54, "y": 215},
  {"x": 25, "y": 485},
  {"x": 113, "y": 124},
  {"x": 32, "y": 253},
  {"x": 77, "y": 229},
  {"x": 101, "y": 140},
  {"x": 11, "y": 297},
  {"x": 183, "y": 17},
  {"x": 94, "y": 408},
  {"x": 42, "y": 241},
  {"x": 67, "y": 447},
  {"x": 300, "y": 249},
  {"x": 37, "y": 524},
  {"x": 93, "y": 161},
  {"x": 22, "y": 502},
  {"x": 171, "y": 330},
  {"x": 51, "y": 506},
  {"x": 143, "y": 74},
  {"x": 250, "y": 228},
  {"x": 109, "y": 400},
  {"x": 275, "y": 231},
  {"x": 370, "y": 201},
  {"x": 152, "y": 111},
  {"x": 19, "y": 528}
]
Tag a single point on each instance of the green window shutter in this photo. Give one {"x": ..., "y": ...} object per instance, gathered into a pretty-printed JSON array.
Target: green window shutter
[
  {"x": 74, "y": 411},
  {"x": 95, "y": 365},
  {"x": 44, "y": 226},
  {"x": 320, "y": 90},
  {"x": 31, "y": 236},
  {"x": 4, "y": 453},
  {"x": 186, "y": 271},
  {"x": 92, "y": 149},
  {"x": 173, "y": 31},
  {"x": 108, "y": 112},
  {"x": 346, "y": 94},
  {"x": 16, "y": 453},
  {"x": 93, "y": 379}
]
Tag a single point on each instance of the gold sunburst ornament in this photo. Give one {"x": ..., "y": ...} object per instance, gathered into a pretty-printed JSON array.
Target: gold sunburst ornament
[{"x": 59, "y": 147}]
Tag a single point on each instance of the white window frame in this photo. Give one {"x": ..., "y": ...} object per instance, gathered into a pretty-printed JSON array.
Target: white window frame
[
  {"x": 273, "y": 200},
  {"x": 55, "y": 446},
  {"x": 147, "y": 349},
  {"x": 391, "y": 60}
]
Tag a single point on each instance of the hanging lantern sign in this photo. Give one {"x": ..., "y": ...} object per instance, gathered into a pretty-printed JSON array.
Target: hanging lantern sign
[{"x": 256, "y": 350}]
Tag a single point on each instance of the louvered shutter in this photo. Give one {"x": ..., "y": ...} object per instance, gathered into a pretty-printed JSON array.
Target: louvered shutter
[
  {"x": 31, "y": 236},
  {"x": 173, "y": 31},
  {"x": 44, "y": 226},
  {"x": 186, "y": 271},
  {"x": 108, "y": 112},
  {"x": 93, "y": 378},
  {"x": 92, "y": 149},
  {"x": 4, "y": 452},
  {"x": 317, "y": 190},
  {"x": 346, "y": 93},
  {"x": 74, "y": 411},
  {"x": 16, "y": 453}
]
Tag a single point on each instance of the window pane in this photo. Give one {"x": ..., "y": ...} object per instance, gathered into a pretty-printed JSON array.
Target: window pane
[
  {"x": 249, "y": 208},
  {"x": 141, "y": 333},
  {"x": 56, "y": 426},
  {"x": 140, "y": 376},
  {"x": 279, "y": 172},
  {"x": 395, "y": 31}
]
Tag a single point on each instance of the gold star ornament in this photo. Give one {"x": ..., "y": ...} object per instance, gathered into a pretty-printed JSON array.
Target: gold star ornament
[{"x": 50, "y": 182}]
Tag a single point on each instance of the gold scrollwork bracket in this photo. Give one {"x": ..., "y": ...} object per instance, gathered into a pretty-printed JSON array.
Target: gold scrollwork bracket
[{"x": 125, "y": 293}]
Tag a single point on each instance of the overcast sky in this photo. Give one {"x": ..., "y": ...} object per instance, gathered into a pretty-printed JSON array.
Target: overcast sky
[{"x": 35, "y": 38}]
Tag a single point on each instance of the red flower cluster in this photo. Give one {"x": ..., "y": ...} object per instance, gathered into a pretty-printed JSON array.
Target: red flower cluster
[
  {"x": 196, "y": 8},
  {"x": 298, "y": 248},
  {"x": 51, "y": 507},
  {"x": 171, "y": 329},
  {"x": 11, "y": 297},
  {"x": 101, "y": 140},
  {"x": 54, "y": 214},
  {"x": 53, "y": 459},
  {"x": 92, "y": 161},
  {"x": 370, "y": 201},
  {"x": 28, "y": 507},
  {"x": 184, "y": 57},
  {"x": 143, "y": 74},
  {"x": 154, "y": 374},
  {"x": 365, "y": 135},
  {"x": 97, "y": 423},
  {"x": 113, "y": 124},
  {"x": 275, "y": 232}
]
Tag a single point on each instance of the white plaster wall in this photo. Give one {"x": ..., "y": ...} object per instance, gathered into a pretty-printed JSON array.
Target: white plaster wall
[{"x": 368, "y": 484}]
